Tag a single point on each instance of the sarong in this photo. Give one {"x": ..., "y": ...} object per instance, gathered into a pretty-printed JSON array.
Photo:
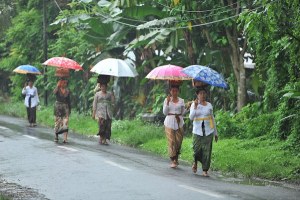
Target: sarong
[
  {"x": 105, "y": 128},
  {"x": 174, "y": 138},
  {"x": 61, "y": 112},
  {"x": 202, "y": 146},
  {"x": 31, "y": 115}
]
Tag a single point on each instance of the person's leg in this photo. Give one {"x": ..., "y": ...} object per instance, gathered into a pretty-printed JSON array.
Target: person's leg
[
  {"x": 108, "y": 122},
  {"x": 65, "y": 137},
  {"x": 196, "y": 151},
  {"x": 66, "y": 128},
  {"x": 101, "y": 123},
  {"x": 28, "y": 115},
  {"x": 206, "y": 155},
  {"x": 57, "y": 123},
  {"x": 178, "y": 139},
  {"x": 33, "y": 115},
  {"x": 171, "y": 146}
]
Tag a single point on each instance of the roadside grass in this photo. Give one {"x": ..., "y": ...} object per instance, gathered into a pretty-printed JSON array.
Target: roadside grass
[
  {"x": 2, "y": 197},
  {"x": 260, "y": 157}
]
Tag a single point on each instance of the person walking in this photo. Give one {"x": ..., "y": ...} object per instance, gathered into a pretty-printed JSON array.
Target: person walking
[
  {"x": 31, "y": 101},
  {"x": 102, "y": 112},
  {"x": 173, "y": 108},
  {"x": 204, "y": 130},
  {"x": 62, "y": 109}
]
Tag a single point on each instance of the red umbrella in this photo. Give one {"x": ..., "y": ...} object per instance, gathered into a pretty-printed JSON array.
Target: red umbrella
[
  {"x": 168, "y": 72},
  {"x": 63, "y": 62}
]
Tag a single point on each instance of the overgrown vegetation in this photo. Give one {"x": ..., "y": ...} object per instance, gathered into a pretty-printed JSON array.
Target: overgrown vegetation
[
  {"x": 237, "y": 154},
  {"x": 162, "y": 32}
]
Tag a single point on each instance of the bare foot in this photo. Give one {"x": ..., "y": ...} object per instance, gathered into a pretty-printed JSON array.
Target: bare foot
[
  {"x": 173, "y": 164},
  {"x": 205, "y": 174},
  {"x": 194, "y": 167}
]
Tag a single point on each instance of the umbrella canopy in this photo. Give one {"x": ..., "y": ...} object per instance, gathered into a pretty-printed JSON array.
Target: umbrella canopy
[
  {"x": 27, "y": 69},
  {"x": 63, "y": 62},
  {"x": 206, "y": 75},
  {"x": 114, "y": 67},
  {"x": 167, "y": 72}
]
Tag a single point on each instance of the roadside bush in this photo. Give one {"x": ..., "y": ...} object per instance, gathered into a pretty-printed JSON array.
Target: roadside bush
[
  {"x": 259, "y": 126},
  {"x": 226, "y": 124}
]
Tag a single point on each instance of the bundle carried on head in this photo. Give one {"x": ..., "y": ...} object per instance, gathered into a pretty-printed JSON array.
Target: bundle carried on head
[
  {"x": 31, "y": 77},
  {"x": 197, "y": 84},
  {"x": 174, "y": 83},
  {"x": 62, "y": 72},
  {"x": 103, "y": 79}
]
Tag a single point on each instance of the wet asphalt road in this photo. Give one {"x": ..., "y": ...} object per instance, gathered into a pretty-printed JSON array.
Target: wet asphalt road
[{"x": 83, "y": 169}]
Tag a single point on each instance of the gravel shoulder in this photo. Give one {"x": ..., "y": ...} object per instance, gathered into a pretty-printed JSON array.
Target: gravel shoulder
[{"x": 18, "y": 192}]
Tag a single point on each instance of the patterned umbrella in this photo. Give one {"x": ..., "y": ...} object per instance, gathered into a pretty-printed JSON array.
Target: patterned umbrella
[
  {"x": 27, "y": 69},
  {"x": 63, "y": 62},
  {"x": 168, "y": 72},
  {"x": 206, "y": 75}
]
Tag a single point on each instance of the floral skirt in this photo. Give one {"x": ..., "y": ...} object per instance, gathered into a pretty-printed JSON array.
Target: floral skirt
[
  {"x": 174, "y": 138},
  {"x": 61, "y": 112},
  {"x": 104, "y": 128}
]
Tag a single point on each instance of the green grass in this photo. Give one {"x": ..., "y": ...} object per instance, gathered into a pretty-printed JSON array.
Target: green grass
[
  {"x": 259, "y": 157},
  {"x": 2, "y": 197}
]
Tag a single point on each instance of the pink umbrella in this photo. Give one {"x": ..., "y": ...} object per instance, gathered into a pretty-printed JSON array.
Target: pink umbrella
[
  {"x": 63, "y": 62},
  {"x": 168, "y": 72}
]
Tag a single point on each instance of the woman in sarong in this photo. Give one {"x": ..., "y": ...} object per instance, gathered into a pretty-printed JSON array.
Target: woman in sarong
[
  {"x": 31, "y": 101},
  {"x": 173, "y": 108},
  {"x": 62, "y": 109},
  {"x": 102, "y": 112},
  {"x": 204, "y": 130}
]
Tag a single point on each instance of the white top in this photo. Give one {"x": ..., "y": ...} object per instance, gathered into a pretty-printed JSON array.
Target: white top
[
  {"x": 169, "y": 111},
  {"x": 34, "y": 96},
  {"x": 202, "y": 112}
]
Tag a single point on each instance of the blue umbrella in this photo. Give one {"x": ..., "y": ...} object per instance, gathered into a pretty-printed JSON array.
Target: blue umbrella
[
  {"x": 27, "y": 69},
  {"x": 206, "y": 75}
]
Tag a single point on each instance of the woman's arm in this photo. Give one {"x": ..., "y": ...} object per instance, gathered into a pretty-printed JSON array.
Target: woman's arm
[
  {"x": 94, "y": 106},
  {"x": 37, "y": 96},
  {"x": 214, "y": 121},
  {"x": 69, "y": 102},
  {"x": 166, "y": 108},
  {"x": 55, "y": 90},
  {"x": 192, "y": 111},
  {"x": 183, "y": 110},
  {"x": 24, "y": 90}
]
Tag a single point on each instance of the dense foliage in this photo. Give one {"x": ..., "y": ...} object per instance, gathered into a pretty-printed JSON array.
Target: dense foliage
[{"x": 152, "y": 33}]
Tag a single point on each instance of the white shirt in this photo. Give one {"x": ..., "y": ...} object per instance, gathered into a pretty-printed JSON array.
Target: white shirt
[
  {"x": 202, "y": 112},
  {"x": 173, "y": 108},
  {"x": 34, "y": 96}
]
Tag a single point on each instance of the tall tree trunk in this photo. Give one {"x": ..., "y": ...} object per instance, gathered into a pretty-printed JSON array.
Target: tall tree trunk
[
  {"x": 238, "y": 66},
  {"x": 189, "y": 44},
  {"x": 237, "y": 54}
]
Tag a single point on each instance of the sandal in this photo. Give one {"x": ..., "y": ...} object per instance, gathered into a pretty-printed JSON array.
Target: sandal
[
  {"x": 194, "y": 167},
  {"x": 65, "y": 142},
  {"x": 55, "y": 139}
]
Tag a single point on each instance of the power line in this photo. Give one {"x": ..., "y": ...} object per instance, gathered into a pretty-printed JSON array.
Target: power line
[
  {"x": 57, "y": 5},
  {"x": 195, "y": 11},
  {"x": 171, "y": 28}
]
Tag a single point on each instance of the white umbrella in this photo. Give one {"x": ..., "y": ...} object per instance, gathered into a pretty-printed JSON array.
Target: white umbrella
[{"x": 114, "y": 67}]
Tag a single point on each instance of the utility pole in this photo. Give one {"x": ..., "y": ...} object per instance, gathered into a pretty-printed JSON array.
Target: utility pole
[{"x": 45, "y": 48}]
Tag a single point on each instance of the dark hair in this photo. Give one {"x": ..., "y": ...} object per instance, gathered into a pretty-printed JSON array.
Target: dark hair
[
  {"x": 62, "y": 79},
  {"x": 199, "y": 89},
  {"x": 173, "y": 86},
  {"x": 30, "y": 77},
  {"x": 103, "y": 79}
]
